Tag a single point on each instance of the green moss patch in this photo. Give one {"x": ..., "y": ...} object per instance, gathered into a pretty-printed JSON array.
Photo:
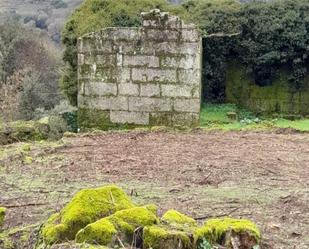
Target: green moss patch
[
  {"x": 122, "y": 225},
  {"x": 162, "y": 237},
  {"x": 2, "y": 215},
  {"x": 87, "y": 206},
  {"x": 216, "y": 230},
  {"x": 107, "y": 217},
  {"x": 174, "y": 217},
  {"x": 23, "y": 131}
]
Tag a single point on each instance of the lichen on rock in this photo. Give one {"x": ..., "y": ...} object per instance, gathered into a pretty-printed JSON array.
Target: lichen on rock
[{"x": 87, "y": 206}]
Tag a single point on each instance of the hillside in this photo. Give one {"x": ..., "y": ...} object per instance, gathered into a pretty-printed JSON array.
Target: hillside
[{"x": 48, "y": 15}]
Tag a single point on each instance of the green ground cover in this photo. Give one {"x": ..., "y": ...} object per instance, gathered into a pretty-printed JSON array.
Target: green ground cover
[{"x": 215, "y": 116}]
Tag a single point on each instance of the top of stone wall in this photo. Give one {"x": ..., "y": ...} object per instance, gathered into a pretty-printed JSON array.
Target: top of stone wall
[
  {"x": 157, "y": 19},
  {"x": 154, "y": 19}
]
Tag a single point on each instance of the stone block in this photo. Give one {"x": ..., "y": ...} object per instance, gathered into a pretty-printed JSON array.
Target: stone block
[
  {"x": 150, "y": 90},
  {"x": 189, "y": 76},
  {"x": 187, "y": 105},
  {"x": 121, "y": 34},
  {"x": 161, "y": 118},
  {"x": 91, "y": 118},
  {"x": 144, "y": 104},
  {"x": 161, "y": 48},
  {"x": 170, "y": 22},
  {"x": 183, "y": 119},
  {"x": 100, "y": 89},
  {"x": 102, "y": 74},
  {"x": 104, "y": 60},
  {"x": 182, "y": 62},
  {"x": 141, "y": 60},
  {"x": 153, "y": 75},
  {"x": 90, "y": 44},
  {"x": 175, "y": 91},
  {"x": 81, "y": 59},
  {"x": 162, "y": 35},
  {"x": 125, "y": 117},
  {"x": 190, "y": 35},
  {"x": 122, "y": 74},
  {"x": 118, "y": 103},
  {"x": 128, "y": 89},
  {"x": 191, "y": 48},
  {"x": 130, "y": 48}
]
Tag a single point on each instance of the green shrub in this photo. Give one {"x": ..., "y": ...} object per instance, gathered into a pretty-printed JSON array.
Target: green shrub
[{"x": 263, "y": 36}]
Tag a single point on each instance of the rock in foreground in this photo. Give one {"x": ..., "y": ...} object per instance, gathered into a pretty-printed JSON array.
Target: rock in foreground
[{"x": 106, "y": 216}]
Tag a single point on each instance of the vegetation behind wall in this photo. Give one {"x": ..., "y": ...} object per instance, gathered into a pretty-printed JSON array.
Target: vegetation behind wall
[
  {"x": 264, "y": 37},
  {"x": 268, "y": 45}
]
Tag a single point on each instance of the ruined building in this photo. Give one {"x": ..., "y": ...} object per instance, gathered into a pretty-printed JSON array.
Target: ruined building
[{"x": 149, "y": 75}]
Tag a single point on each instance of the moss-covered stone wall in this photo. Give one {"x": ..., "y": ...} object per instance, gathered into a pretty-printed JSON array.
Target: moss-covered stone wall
[
  {"x": 140, "y": 76},
  {"x": 279, "y": 97}
]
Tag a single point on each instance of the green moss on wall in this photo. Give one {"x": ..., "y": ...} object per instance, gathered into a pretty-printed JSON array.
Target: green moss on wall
[
  {"x": 93, "y": 119},
  {"x": 88, "y": 119},
  {"x": 278, "y": 97}
]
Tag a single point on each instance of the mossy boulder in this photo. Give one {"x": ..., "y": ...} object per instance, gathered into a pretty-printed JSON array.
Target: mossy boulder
[
  {"x": 23, "y": 131},
  {"x": 164, "y": 237},
  {"x": 173, "y": 217},
  {"x": 107, "y": 217},
  {"x": 2, "y": 215},
  {"x": 87, "y": 206},
  {"x": 120, "y": 225},
  {"x": 223, "y": 231}
]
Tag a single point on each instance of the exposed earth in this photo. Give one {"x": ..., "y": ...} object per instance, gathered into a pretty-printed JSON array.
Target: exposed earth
[{"x": 262, "y": 176}]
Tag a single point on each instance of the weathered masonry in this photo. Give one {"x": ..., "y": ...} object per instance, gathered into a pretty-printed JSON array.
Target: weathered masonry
[{"x": 149, "y": 75}]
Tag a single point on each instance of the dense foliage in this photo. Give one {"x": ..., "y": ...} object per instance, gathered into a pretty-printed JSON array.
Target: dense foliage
[
  {"x": 263, "y": 36},
  {"x": 94, "y": 15}
]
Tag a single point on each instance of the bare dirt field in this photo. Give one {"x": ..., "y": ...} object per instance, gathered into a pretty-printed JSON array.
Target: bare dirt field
[{"x": 262, "y": 176}]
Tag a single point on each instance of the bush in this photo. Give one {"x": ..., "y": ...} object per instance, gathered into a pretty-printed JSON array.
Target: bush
[
  {"x": 57, "y": 127},
  {"x": 263, "y": 36},
  {"x": 94, "y": 15},
  {"x": 28, "y": 71}
]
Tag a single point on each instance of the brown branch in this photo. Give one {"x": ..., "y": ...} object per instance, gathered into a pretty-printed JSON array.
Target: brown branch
[
  {"x": 25, "y": 205},
  {"x": 220, "y": 215}
]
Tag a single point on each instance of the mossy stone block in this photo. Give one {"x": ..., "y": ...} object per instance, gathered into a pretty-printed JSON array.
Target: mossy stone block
[{"x": 164, "y": 237}]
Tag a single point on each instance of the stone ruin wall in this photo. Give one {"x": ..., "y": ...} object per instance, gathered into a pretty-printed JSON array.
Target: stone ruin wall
[{"x": 140, "y": 76}]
